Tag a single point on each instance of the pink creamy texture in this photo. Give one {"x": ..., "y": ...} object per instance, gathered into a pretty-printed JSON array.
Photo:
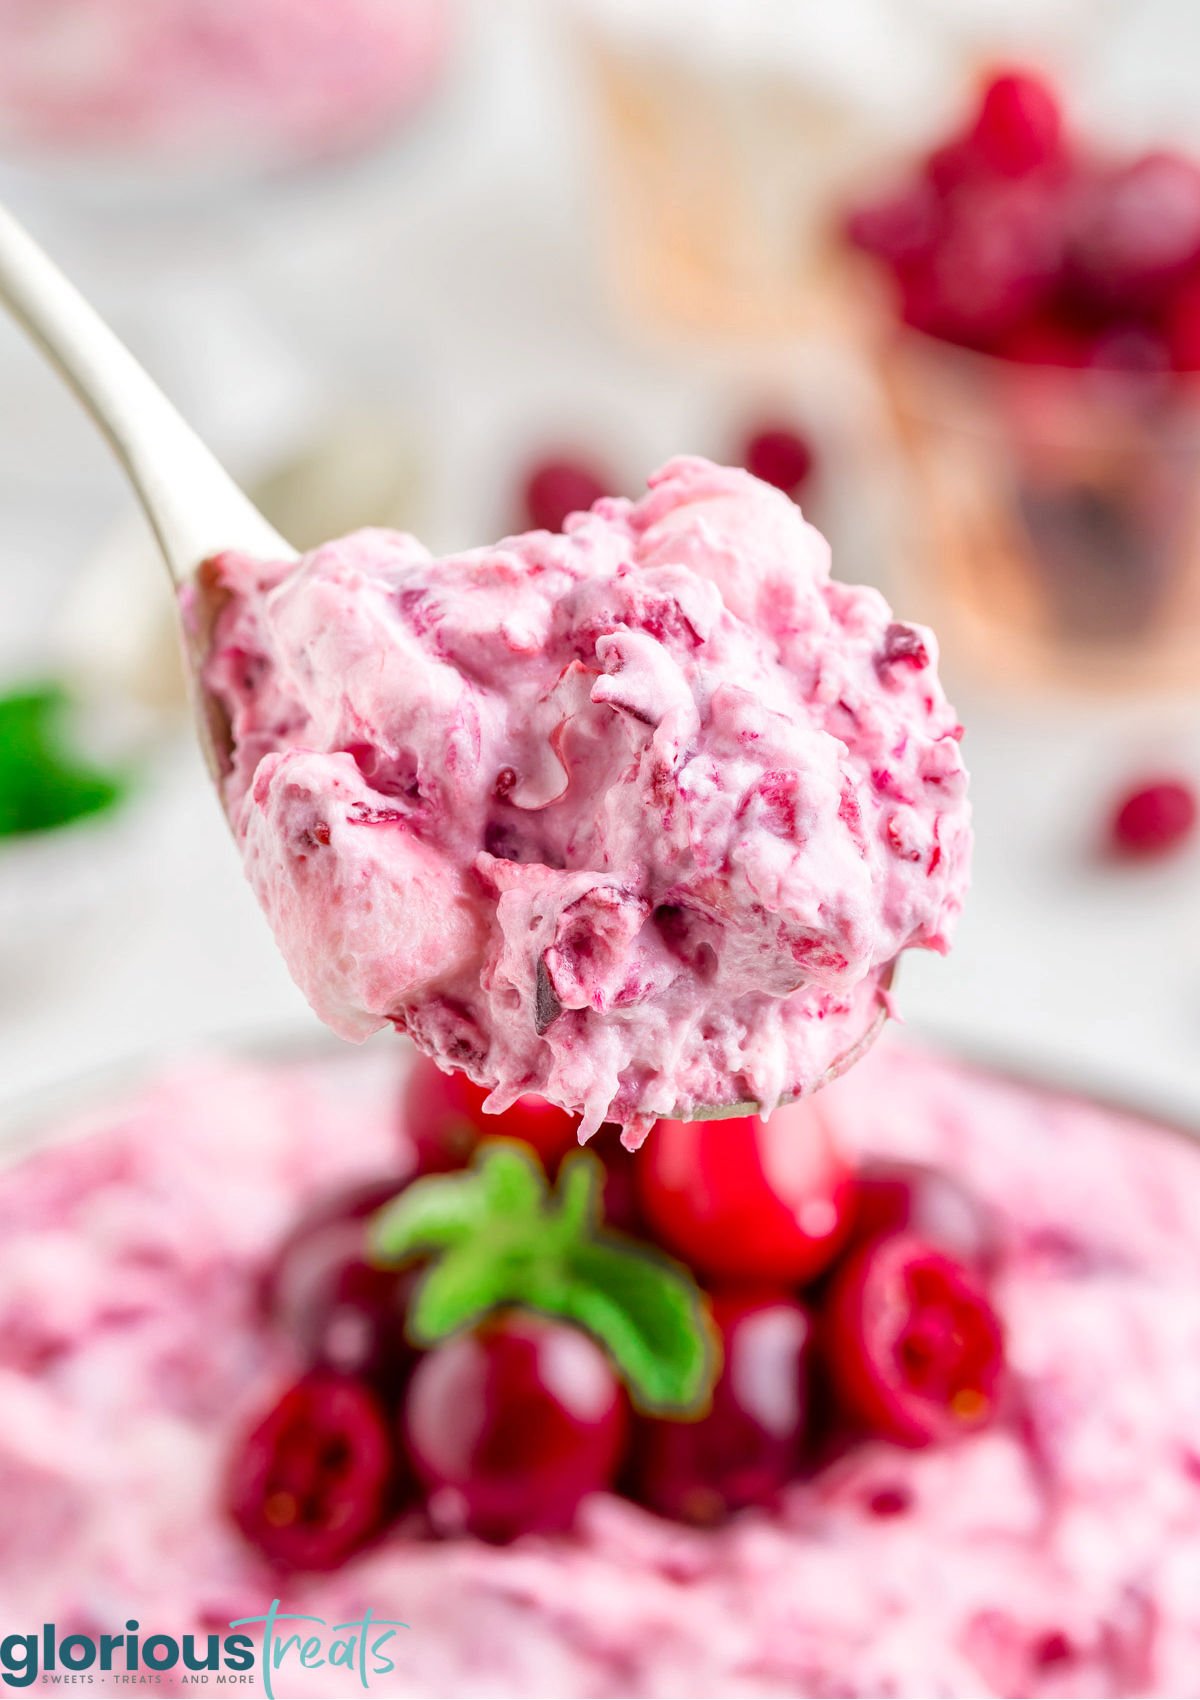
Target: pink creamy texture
[
  {"x": 214, "y": 77},
  {"x": 1057, "y": 1554},
  {"x": 634, "y": 817}
]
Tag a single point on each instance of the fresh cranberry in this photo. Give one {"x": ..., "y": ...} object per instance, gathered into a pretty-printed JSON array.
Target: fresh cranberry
[
  {"x": 747, "y": 1200},
  {"x": 901, "y": 227},
  {"x": 1153, "y": 818},
  {"x": 1019, "y": 128},
  {"x": 749, "y": 1444},
  {"x": 343, "y": 1312},
  {"x": 898, "y": 1197},
  {"x": 314, "y": 1478},
  {"x": 912, "y": 1346},
  {"x": 510, "y": 1426},
  {"x": 780, "y": 456},
  {"x": 555, "y": 488},
  {"x": 443, "y": 1115},
  {"x": 1138, "y": 231},
  {"x": 994, "y": 266}
]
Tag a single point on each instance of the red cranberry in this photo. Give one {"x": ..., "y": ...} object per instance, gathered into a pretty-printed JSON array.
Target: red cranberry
[
  {"x": 913, "y": 1348},
  {"x": 1183, "y": 327},
  {"x": 1153, "y": 818},
  {"x": 897, "y": 1197},
  {"x": 510, "y": 1426},
  {"x": 749, "y": 1444},
  {"x": 780, "y": 456},
  {"x": 1019, "y": 128},
  {"x": 900, "y": 228},
  {"x": 748, "y": 1200},
  {"x": 343, "y": 1312},
  {"x": 555, "y": 488},
  {"x": 314, "y": 1478},
  {"x": 1138, "y": 231},
  {"x": 443, "y": 1115}
]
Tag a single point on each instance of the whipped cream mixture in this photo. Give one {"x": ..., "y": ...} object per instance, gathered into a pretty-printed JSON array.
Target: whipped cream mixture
[
  {"x": 1055, "y": 1553},
  {"x": 638, "y": 817}
]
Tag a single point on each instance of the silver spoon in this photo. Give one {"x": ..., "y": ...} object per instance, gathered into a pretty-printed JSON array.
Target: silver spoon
[{"x": 194, "y": 507}]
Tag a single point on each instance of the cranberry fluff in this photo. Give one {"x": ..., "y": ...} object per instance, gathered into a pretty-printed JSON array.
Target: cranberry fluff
[{"x": 636, "y": 817}]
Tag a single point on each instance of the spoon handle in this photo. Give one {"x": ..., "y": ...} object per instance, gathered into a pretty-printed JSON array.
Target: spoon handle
[{"x": 193, "y": 506}]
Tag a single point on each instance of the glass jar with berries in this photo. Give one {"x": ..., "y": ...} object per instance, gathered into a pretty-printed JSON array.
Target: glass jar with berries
[{"x": 1040, "y": 348}]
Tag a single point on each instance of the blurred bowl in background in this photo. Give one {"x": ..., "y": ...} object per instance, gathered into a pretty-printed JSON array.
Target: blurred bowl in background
[
  {"x": 1056, "y": 514},
  {"x": 223, "y": 87}
]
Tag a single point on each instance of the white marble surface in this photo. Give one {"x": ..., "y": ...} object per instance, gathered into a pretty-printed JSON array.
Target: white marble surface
[{"x": 456, "y": 278}]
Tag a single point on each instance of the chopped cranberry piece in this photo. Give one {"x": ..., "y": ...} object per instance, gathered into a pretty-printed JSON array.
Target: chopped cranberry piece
[
  {"x": 748, "y": 1200},
  {"x": 750, "y": 1442},
  {"x": 912, "y": 1345},
  {"x": 555, "y": 488},
  {"x": 444, "y": 1117},
  {"x": 1019, "y": 128},
  {"x": 903, "y": 646},
  {"x": 314, "y": 1478},
  {"x": 1154, "y": 818},
  {"x": 510, "y": 1426},
  {"x": 895, "y": 1196},
  {"x": 344, "y": 1312},
  {"x": 780, "y": 456}
]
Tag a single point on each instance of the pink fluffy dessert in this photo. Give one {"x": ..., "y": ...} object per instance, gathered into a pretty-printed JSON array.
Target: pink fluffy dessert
[
  {"x": 638, "y": 817},
  {"x": 222, "y": 79},
  {"x": 1056, "y": 1553}
]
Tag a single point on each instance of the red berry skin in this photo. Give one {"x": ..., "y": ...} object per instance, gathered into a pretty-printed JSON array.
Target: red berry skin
[
  {"x": 315, "y": 1478},
  {"x": 1153, "y": 819},
  {"x": 555, "y": 488},
  {"x": 1019, "y": 127},
  {"x": 1182, "y": 326},
  {"x": 342, "y": 1311},
  {"x": 1137, "y": 233},
  {"x": 912, "y": 1346},
  {"x": 745, "y": 1200},
  {"x": 751, "y": 1441},
  {"x": 780, "y": 456},
  {"x": 511, "y": 1425},
  {"x": 897, "y": 1197},
  {"x": 444, "y": 1117}
]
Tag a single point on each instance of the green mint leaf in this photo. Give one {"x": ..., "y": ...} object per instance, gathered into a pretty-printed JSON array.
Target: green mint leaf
[
  {"x": 43, "y": 783},
  {"x": 438, "y": 1212},
  {"x": 498, "y": 1236},
  {"x": 457, "y": 1290},
  {"x": 651, "y": 1317}
]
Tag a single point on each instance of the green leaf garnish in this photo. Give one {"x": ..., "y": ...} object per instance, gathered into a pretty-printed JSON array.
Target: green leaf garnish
[
  {"x": 43, "y": 783},
  {"x": 499, "y": 1235}
]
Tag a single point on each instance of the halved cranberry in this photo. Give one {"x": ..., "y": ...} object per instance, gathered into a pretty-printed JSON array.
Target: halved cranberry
[
  {"x": 749, "y": 1444},
  {"x": 747, "y": 1200},
  {"x": 895, "y": 1197},
  {"x": 779, "y": 455},
  {"x": 555, "y": 488},
  {"x": 912, "y": 1346},
  {"x": 343, "y": 1312},
  {"x": 443, "y": 1115},
  {"x": 1019, "y": 128},
  {"x": 1153, "y": 818},
  {"x": 314, "y": 1478},
  {"x": 510, "y": 1426}
]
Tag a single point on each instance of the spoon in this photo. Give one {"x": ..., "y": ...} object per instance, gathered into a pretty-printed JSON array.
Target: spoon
[{"x": 195, "y": 509}]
